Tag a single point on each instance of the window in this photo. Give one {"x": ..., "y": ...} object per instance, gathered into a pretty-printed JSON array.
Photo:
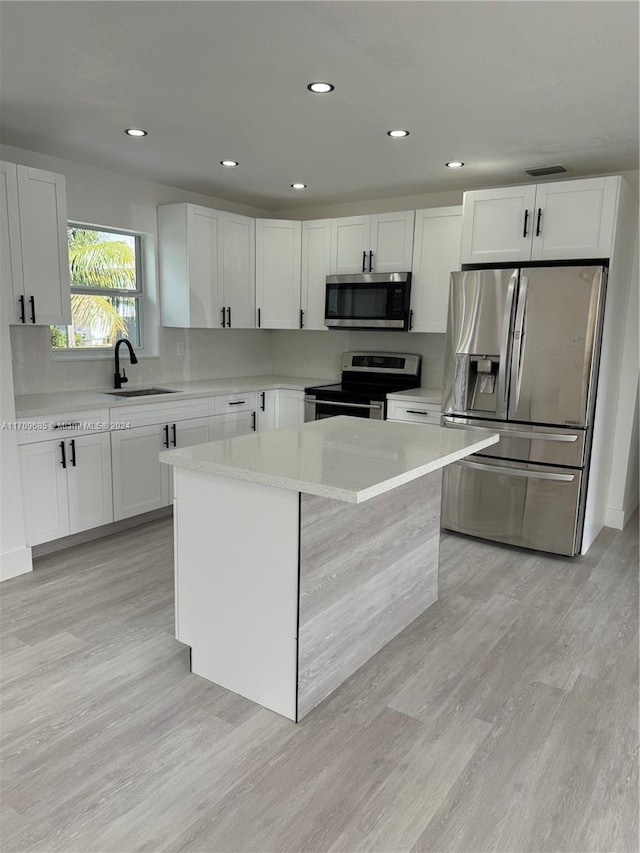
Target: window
[{"x": 106, "y": 290}]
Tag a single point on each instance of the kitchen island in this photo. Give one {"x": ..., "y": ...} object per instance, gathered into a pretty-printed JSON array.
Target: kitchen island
[{"x": 301, "y": 552}]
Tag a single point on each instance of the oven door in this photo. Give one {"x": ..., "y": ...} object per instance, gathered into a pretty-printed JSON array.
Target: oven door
[{"x": 316, "y": 409}]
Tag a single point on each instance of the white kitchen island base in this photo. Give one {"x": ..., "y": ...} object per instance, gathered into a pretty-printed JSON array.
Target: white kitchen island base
[
  {"x": 283, "y": 595},
  {"x": 300, "y": 552}
]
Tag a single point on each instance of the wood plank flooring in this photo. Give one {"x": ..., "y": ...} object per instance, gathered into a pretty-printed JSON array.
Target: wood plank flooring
[{"x": 503, "y": 719}]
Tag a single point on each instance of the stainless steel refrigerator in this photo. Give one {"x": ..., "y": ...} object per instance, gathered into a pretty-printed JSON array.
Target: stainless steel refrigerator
[{"x": 522, "y": 359}]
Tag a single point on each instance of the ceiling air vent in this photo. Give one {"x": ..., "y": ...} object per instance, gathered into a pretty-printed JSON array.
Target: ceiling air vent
[{"x": 545, "y": 170}]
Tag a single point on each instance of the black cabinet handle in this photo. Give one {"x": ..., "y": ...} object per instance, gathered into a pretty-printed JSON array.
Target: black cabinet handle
[
  {"x": 301, "y": 319},
  {"x": 229, "y": 316},
  {"x": 63, "y": 461},
  {"x": 73, "y": 452},
  {"x": 370, "y": 261},
  {"x": 223, "y": 316},
  {"x": 32, "y": 303},
  {"x": 411, "y": 319},
  {"x": 253, "y": 421},
  {"x": 166, "y": 435},
  {"x": 364, "y": 261},
  {"x": 538, "y": 222},
  {"x": 22, "y": 316},
  {"x": 258, "y": 318},
  {"x": 173, "y": 434},
  {"x": 238, "y": 403},
  {"x": 526, "y": 220},
  {"x": 262, "y": 401}
]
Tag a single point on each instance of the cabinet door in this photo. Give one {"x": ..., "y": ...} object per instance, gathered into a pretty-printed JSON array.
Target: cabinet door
[
  {"x": 291, "y": 408},
  {"x": 89, "y": 481},
  {"x": 574, "y": 219},
  {"x": 316, "y": 266},
  {"x": 436, "y": 254},
  {"x": 391, "y": 241},
  {"x": 268, "y": 409},
  {"x": 278, "y": 251},
  {"x": 140, "y": 480},
  {"x": 497, "y": 225},
  {"x": 10, "y": 257},
  {"x": 350, "y": 245},
  {"x": 230, "y": 426},
  {"x": 204, "y": 267},
  {"x": 239, "y": 271},
  {"x": 190, "y": 432},
  {"x": 44, "y": 487},
  {"x": 45, "y": 254}
]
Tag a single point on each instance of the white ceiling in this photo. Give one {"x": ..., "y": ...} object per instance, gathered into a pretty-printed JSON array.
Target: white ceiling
[{"x": 504, "y": 86}]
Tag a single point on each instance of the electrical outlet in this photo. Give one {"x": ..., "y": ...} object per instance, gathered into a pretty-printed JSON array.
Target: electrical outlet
[{"x": 180, "y": 348}]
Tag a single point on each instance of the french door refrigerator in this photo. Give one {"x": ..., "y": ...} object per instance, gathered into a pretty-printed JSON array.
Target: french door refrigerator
[{"x": 522, "y": 360}]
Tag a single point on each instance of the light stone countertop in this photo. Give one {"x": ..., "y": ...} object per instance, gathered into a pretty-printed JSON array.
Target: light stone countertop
[
  {"x": 418, "y": 395},
  {"x": 348, "y": 459},
  {"x": 31, "y": 405}
]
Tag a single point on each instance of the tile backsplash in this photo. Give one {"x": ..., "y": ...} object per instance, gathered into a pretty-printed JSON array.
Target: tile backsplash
[{"x": 193, "y": 354}]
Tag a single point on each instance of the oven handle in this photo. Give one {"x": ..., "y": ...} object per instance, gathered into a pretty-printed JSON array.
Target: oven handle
[
  {"x": 517, "y": 472},
  {"x": 343, "y": 405}
]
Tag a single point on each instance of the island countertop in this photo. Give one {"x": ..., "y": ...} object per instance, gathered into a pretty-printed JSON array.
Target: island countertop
[{"x": 344, "y": 458}]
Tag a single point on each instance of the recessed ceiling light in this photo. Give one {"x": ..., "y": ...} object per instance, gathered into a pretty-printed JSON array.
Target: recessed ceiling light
[
  {"x": 229, "y": 163},
  {"x": 135, "y": 131},
  {"x": 398, "y": 134},
  {"x": 321, "y": 88},
  {"x": 298, "y": 186},
  {"x": 455, "y": 164}
]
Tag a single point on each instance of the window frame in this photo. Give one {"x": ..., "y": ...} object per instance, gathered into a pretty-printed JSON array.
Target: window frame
[{"x": 143, "y": 295}]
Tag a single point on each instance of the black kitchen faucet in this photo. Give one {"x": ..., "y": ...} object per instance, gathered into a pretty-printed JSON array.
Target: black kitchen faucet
[{"x": 119, "y": 380}]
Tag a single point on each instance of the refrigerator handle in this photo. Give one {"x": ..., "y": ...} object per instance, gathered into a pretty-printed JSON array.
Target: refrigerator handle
[
  {"x": 517, "y": 472},
  {"x": 503, "y": 385},
  {"x": 518, "y": 340}
]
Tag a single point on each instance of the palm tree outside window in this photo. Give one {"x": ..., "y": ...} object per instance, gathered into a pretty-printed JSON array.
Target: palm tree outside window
[{"x": 106, "y": 290}]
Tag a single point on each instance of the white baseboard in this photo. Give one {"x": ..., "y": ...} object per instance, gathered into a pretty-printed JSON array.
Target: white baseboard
[
  {"x": 15, "y": 563},
  {"x": 618, "y": 518}
]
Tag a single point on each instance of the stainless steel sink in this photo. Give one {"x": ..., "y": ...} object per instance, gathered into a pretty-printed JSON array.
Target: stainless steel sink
[{"x": 139, "y": 392}]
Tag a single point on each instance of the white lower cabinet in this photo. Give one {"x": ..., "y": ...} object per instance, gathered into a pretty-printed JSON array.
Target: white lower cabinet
[
  {"x": 140, "y": 481},
  {"x": 66, "y": 486},
  {"x": 232, "y": 425},
  {"x": 268, "y": 409},
  {"x": 291, "y": 408},
  {"x": 414, "y": 411}
]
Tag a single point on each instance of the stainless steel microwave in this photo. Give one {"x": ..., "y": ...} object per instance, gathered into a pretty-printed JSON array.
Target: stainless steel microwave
[{"x": 368, "y": 301}]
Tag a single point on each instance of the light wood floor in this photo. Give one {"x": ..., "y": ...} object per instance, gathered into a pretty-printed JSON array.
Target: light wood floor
[{"x": 504, "y": 719}]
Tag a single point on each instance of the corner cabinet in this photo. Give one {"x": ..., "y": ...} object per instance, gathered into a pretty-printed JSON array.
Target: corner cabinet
[
  {"x": 564, "y": 220},
  {"x": 33, "y": 246},
  {"x": 436, "y": 254},
  {"x": 207, "y": 267},
  {"x": 381, "y": 242},
  {"x": 278, "y": 265}
]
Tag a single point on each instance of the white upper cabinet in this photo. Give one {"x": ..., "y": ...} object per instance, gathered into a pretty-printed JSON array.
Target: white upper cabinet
[
  {"x": 35, "y": 256},
  {"x": 207, "y": 267},
  {"x": 575, "y": 219},
  {"x": 316, "y": 263},
  {"x": 278, "y": 262},
  {"x": 564, "y": 220},
  {"x": 382, "y": 242},
  {"x": 239, "y": 271},
  {"x": 436, "y": 254}
]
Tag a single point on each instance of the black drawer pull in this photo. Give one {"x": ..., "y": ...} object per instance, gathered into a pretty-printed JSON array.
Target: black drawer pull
[
  {"x": 263, "y": 397},
  {"x": 22, "y": 314},
  {"x": 526, "y": 220},
  {"x": 417, "y": 412},
  {"x": 63, "y": 461},
  {"x": 32, "y": 303},
  {"x": 370, "y": 261},
  {"x": 364, "y": 262},
  {"x": 73, "y": 452},
  {"x": 166, "y": 435},
  {"x": 538, "y": 222},
  {"x": 229, "y": 316},
  {"x": 258, "y": 318},
  {"x": 223, "y": 316},
  {"x": 238, "y": 403},
  {"x": 253, "y": 421},
  {"x": 173, "y": 433}
]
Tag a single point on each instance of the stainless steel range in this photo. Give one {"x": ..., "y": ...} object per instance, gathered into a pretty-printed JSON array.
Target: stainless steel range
[{"x": 367, "y": 378}]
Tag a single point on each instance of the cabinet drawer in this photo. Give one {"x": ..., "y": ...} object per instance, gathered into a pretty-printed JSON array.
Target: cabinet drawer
[
  {"x": 61, "y": 426},
  {"x": 418, "y": 413},
  {"x": 225, "y": 403}
]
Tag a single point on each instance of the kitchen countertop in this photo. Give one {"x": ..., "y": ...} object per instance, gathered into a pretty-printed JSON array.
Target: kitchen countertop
[
  {"x": 418, "y": 395},
  {"x": 348, "y": 459},
  {"x": 30, "y": 405}
]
